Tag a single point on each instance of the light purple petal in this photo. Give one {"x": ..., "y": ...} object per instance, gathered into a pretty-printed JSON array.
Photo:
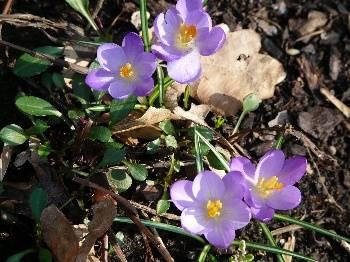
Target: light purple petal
[
  {"x": 254, "y": 199},
  {"x": 99, "y": 79},
  {"x": 181, "y": 194},
  {"x": 194, "y": 220},
  {"x": 166, "y": 53},
  {"x": 244, "y": 166},
  {"x": 132, "y": 46},
  {"x": 209, "y": 43},
  {"x": 221, "y": 236},
  {"x": 287, "y": 198},
  {"x": 144, "y": 87},
  {"x": 235, "y": 213},
  {"x": 145, "y": 64},
  {"x": 200, "y": 19},
  {"x": 185, "y": 69},
  {"x": 166, "y": 26},
  {"x": 233, "y": 181},
  {"x": 186, "y": 6},
  {"x": 208, "y": 186},
  {"x": 111, "y": 57},
  {"x": 270, "y": 164},
  {"x": 293, "y": 170},
  {"x": 121, "y": 89},
  {"x": 263, "y": 214}
]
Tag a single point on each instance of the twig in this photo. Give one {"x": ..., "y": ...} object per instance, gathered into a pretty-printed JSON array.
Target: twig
[
  {"x": 57, "y": 61},
  {"x": 105, "y": 248},
  {"x": 7, "y": 7},
  {"x": 132, "y": 214},
  {"x": 309, "y": 35},
  {"x": 285, "y": 229},
  {"x": 116, "y": 247},
  {"x": 335, "y": 101},
  {"x": 154, "y": 212}
]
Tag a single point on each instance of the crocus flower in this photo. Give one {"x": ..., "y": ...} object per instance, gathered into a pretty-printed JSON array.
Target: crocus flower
[
  {"x": 269, "y": 186},
  {"x": 125, "y": 70},
  {"x": 211, "y": 206},
  {"x": 184, "y": 33}
]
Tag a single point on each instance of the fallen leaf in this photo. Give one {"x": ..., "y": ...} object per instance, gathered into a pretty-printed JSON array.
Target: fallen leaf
[
  {"x": 236, "y": 71},
  {"x": 289, "y": 245},
  {"x": 315, "y": 20},
  {"x": 5, "y": 160},
  {"x": 59, "y": 235},
  {"x": 196, "y": 114}
]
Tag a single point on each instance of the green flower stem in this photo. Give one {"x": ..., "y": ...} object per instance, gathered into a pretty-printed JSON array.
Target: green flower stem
[
  {"x": 279, "y": 142},
  {"x": 204, "y": 253},
  {"x": 144, "y": 24},
  {"x": 199, "y": 161},
  {"x": 160, "y": 78},
  {"x": 270, "y": 238},
  {"x": 187, "y": 97},
  {"x": 167, "y": 81},
  {"x": 311, "y": 227},
  {"x": 240, "y": 119}
]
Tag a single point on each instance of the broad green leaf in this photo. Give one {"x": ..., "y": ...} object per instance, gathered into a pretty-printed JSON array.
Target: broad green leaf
[
  {"x": 153, "y": 146},
  {"x": 58, "y": 80},
  {"x": 38, "y": 201},
  {"x": 100, "y": 133},
  {"x": 111, "y": 157},
  {"x": 120, "y": 238},
  {"x": 214, "y": 162},
  {"x": 137, "y": 171},
  {"x": 18, "y": 256},
  {"x": 205, "y": 132},
  {"x": 46, "y": 80},
  {"x": 170, "y": 141},
  {"x": 13, "y": 135},
  {"x": 27, "y": 65},
  {"x": 121, "y": 108},
  {"x": 36, "y": 106},
  {"x": 75, "y": 114},
  {"x": 82, "y": 7},
  {"x": 251, "y": 102},
  {"x": 120, "y": 180},
  {"x": 81, "y": 90},
  {"x": 162, "y": 206},
  {"x": 39, "y": 127},
  {"x": 44, "y": 150},
  {"x": 44, "y": 255},
  {"x": 167, "y": 127}
]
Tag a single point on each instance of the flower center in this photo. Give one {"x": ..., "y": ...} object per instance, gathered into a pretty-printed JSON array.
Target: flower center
[
  {"x": 213, "y": 208},
  {"x": 126, "y": 71},
  {"x": 266, "y": 187},
  {"x": 186, "y": 34}
]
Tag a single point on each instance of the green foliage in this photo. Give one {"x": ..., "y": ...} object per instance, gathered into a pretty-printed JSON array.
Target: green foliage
[
  {"x": 120, "y": 180},
  {"x": 45, "y": 255},
  {"x": 13, "y": 135},
  {"x": 44, "y": 150},
  {"x": 163, "y": 204},
  {"x": 251, "y": 102},
  {"x": 121, "y": 108},
  {"x": 75, "y": 114},
  {"x": 36, "y": 106},
  {"x": 137, "y": 171},
  {"x": 153, "y": 146},
  {"x": 38, "y": 201},
  {"x": 81, "y": 91},
  {"x": 100, "y": 133},
  {"x": 82, "y": 7},
  {"x": 18, "y": 256},
  {"x": 214, "y": 161},
  {"x": 112, "y": 156},
  {"x": 58, "y": 80},
  {"x": 46, "y": 80},
  {"x": 38, "y": 128},
  {"x": 167, "y": 127},
  {"x": 170, "y": 141},
  {"x": 219, "y": 121},
  {"x": 28, "y": 66}
]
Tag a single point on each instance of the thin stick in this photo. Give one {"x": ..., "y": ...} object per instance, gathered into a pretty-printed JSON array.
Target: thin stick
[
  {"x": 116, "y": 247},
  {"x": 335, "y": 101}
]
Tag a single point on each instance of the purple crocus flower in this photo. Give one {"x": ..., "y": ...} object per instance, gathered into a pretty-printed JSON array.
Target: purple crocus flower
[
  {"x": 125, "y": 70},
  {"x": 211, "y": 206},
  {"x": 184, "y": 33},
  {"x": 269, "y": 186}
]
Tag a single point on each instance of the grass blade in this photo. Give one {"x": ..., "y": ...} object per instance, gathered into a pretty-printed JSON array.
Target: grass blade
[
  {"x": 199, "y": 161},
  {"x": 270, "y": 238},
  {"x": 144, "y": 24},
  {"x": 204, "y": 253}
]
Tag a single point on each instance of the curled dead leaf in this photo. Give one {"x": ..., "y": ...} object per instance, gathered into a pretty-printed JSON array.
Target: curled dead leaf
[
  {"x": 315, "y": 20},
  {"x": 236, "y": 71}
]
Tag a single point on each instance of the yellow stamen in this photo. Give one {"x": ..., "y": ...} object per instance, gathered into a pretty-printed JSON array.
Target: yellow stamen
[
  {"x": 213, "y": 208},
  {"x": 186, "y": 34},
  {"x": 126, "y": 71},
  {"x": 266, "y": 187}
]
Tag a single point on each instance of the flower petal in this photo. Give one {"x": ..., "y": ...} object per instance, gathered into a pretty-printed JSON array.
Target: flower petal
[
  {"x": 270, "y": 164},
  {"x": 185, "y": 69},
  {"x": 186, "y": 6},
  {"x": 121, "y": 89},
  {"x": 132, "y": 46},
  {"x": 144, "y": 87},
  {"x": 181, "y": 194},
  {"x": 200, "y": 19},
  {"x": 235, "y": 213},
  {"x": 194, "y": 220},
  {"x": 111, "y": 57},
  {"x": 263, "y": 214},
  {"x": 293, "y": 170},
  {"x": 221, "y": 236},
  {"x": 209, "y": 43},
  {"x": 287, "y": 198},
  {"x": 244, "y": 166},
  {"x": 166, "y": 53},
  {"x": 208, "y": 186},
  {"x": 166, "y": 26},
  {"x": 233, "y": 181},
  {"x": 145, "y": 64},
  {"x": 99, "y": 79}
]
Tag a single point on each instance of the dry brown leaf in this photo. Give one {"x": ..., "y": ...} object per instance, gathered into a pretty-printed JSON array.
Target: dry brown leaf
[
  {"x": 104, "y": 213},
  {"x": 196, "y": 114},
  {"x": 289, "y": 245},
  {"x": 59, "y": 235},
  {"x": 5, "y": 160},
  {"x": 236, "y": 71},
  {"x": 315, "y": 20}
]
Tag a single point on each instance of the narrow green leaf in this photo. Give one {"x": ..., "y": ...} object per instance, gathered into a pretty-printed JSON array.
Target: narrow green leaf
[
  {"x": 100, "y": 133},
  {"x": 205, "y": 132},
  {"x": 120, "y": 180},
  {"x": 270, "y": 238},
  {"x": 137, "y": 171},
  {"x": 38, "y": 201},
  {"x": 111, "y": 157},
  {"x": 203, "y": 255},
  {"x": 121, "y": 108},
  {"x": 198, "y": 153},
  {"x": 144, "y": 24},
  {"x": 214, "y": 161},
  {"x": 36, "y": 106},
  {"x": 28, "y": 66},
  {"x": 13, "y": 135},
  {"x": 18, "y": 256},
  {"x": 82, "y": 7},
  {"x": 167, "y": 127}
]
